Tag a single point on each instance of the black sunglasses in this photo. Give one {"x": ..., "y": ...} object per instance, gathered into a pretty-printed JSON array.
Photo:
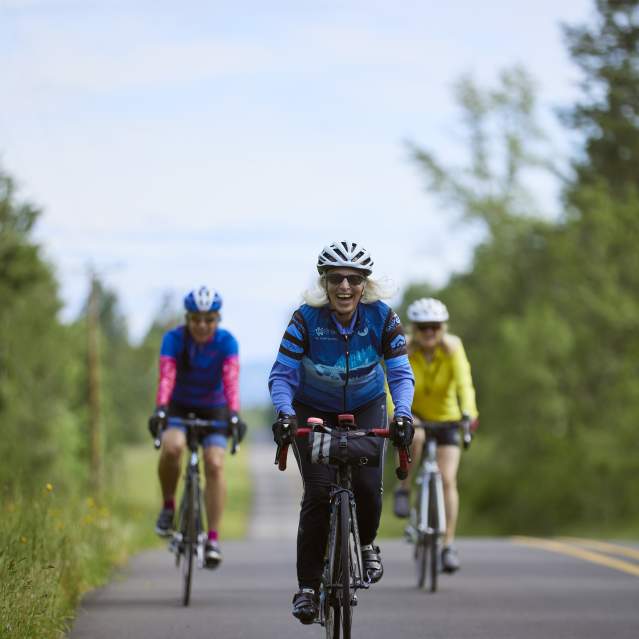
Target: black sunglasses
[
  {"x": 336, "y": 279},
  {"x": 207, "y": 319},
  {"x": 432, "y": 326}
]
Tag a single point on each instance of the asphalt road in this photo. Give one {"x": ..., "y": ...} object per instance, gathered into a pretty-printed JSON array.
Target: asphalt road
[
  {"x": 510, "y": 589},
  {"x": 504, "y": 590}
]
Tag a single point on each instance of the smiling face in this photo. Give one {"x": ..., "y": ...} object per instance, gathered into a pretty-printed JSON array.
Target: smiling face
[
  {"x": 202, "y": 326},
  {"x": 344, "y": 287}
]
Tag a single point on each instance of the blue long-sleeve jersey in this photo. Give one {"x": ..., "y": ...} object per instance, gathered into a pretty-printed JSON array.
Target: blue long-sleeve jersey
[{"x": 334, "y": 368}]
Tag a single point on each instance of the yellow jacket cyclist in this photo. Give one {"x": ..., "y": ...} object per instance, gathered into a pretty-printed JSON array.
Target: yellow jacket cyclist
[
  {"x": 443, "y": 384},
  {"x": 444, "y": 392}
]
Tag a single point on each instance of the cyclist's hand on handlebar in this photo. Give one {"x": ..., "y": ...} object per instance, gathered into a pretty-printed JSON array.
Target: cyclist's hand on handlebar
[
  {"x": 158, "y": 421},
  {"x": 469, "y": 426},
  {"x": 402, "y": 431},
  {"x": 237, "y": 426},
  {"x": 284, "y": 429}
]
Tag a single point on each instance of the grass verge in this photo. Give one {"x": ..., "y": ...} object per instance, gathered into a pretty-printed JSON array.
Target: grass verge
[{"x": 54, "y": 547}]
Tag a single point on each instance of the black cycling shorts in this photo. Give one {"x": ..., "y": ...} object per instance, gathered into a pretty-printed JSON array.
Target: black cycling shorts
[{"x": 447, "y": 435}]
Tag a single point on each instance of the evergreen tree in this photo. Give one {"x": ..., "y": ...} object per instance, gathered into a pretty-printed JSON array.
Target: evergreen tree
[{"x": 607, "y": 54}]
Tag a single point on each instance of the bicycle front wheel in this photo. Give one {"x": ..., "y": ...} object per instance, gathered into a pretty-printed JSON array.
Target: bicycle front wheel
[
  {"x": 421, "y": 540},
  {"x": 345, "y": 564},
  {"x": 433, "y": 518},
  {"x": 189, "y": 540},
  {"x": 329, "y": 596},
  {"x": 331, "y": 619}
]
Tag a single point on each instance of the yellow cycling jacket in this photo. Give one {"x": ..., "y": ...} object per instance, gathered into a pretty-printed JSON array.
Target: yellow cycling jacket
[{"x": 443, "y": 386}]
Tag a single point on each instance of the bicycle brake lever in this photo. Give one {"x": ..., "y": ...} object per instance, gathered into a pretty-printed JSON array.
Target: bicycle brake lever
[{"x": 468, "y": 436}]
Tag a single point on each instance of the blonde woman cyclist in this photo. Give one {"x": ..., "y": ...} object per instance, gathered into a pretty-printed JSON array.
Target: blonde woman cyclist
[
  {"x": 329, "y": 362},
  {"x": 444, "y": 392}
]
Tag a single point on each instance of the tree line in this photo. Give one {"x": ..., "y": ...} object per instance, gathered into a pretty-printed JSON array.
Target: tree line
[
  {"x": 549, "y": 310},
  {"x": 44, "y": 372}
]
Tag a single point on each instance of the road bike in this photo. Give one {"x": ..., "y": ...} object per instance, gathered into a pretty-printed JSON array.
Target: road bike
[
  {"x": 188, "y": 539},
  {"x": 427, "y": 523},
  {"x": 344, "y": 447}
]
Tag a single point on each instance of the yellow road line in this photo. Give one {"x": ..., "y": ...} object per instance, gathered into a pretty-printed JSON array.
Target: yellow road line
[
  {"x": 604, "y": 546},
  {"x": 580, "y": 553}
]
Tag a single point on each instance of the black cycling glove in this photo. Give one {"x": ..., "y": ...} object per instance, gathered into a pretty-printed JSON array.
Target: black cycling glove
[
  {"x": 237, "y": 425},
  {"x": 158, "y": 421},
  {"x": 402, "y": 431},
  {"x": 284, "y": 429}
]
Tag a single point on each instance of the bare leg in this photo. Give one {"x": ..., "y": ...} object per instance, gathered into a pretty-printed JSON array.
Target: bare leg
[
  {"x": 448, "y": 461},
  {"x": 173, "y": 443},
  {"x": 215, "y": 490}
]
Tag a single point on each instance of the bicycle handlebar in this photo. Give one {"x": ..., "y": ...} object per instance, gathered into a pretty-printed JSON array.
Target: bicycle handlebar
[
  {"x": 215, "y": 425},
  {"x": 404, "y": 454}
]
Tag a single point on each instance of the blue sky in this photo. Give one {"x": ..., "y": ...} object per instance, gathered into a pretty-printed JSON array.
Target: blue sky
[{"x": 176, "y": 143}]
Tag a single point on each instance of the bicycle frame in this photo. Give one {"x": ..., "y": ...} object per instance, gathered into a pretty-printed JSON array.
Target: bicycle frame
[
  {"x": 188, "y": 540},
  {"x": 428, "y": 517},
  {"x": 429, "y": 468},
  {"x": 342, "y": 489},
  {"x": 337, "y": 589},
  {"x": 191, "y": 483}
]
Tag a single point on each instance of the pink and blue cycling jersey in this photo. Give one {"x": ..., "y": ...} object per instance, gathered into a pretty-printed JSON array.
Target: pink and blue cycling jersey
[{"x": 199, "y": 375}]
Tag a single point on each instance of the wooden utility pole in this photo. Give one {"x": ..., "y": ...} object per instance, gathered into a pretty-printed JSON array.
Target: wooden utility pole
[{"x": 93, "y": 366}]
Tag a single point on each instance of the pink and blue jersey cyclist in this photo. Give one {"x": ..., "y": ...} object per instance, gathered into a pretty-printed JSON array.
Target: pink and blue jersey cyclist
[{"x": 199, "y": 376}]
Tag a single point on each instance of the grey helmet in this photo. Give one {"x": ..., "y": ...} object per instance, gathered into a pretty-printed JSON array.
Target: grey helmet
[
  {"x": 427, "y": 309},
  {"x": 345, "y": 254}
]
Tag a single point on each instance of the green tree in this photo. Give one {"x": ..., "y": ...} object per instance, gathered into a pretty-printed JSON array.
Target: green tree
[
  {"x": 607, "y": 53},
  {"x": 549, "y": 309},
  {"x": 40, "y": 434}
]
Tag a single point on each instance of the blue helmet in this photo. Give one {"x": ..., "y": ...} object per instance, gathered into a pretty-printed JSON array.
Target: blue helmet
[{"x": 203, "y": 300}]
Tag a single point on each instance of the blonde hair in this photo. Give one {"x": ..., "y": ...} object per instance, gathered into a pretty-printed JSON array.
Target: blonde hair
[{"x": 374, "y": 290}]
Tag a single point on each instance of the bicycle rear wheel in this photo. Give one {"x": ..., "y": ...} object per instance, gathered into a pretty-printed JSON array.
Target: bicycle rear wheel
[
  {"x": 421, "y": 558},
  {"x": 433, "y": 518},
  {"x": 189, "y": 540},
  {"x": 345, "y": 565}
]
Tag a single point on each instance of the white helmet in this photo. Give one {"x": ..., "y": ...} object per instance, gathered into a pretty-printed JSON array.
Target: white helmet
[
  {"x": 427, "y": 309},
  {"x": 348, "y": 254}
]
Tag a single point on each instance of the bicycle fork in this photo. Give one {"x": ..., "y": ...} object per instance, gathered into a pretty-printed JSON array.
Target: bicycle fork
[
  {"x": 192, "y": 483},
  {"x": 425, "y": 526}
]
